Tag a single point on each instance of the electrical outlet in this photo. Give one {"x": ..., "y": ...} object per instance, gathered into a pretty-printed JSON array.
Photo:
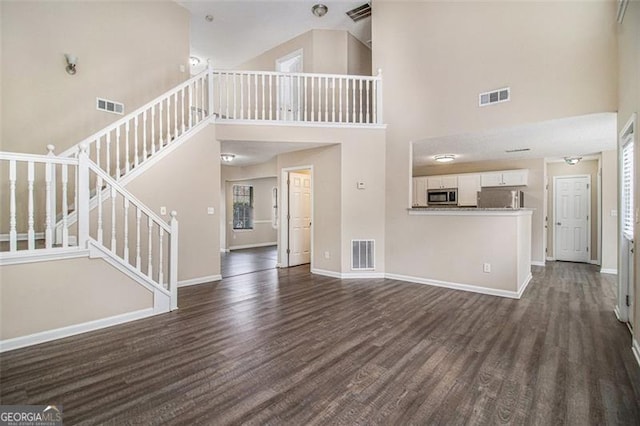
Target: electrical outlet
[
  {"x": 486, "y": 267},
  {"x": 211, "y": 210},
  {"x": 163, "y": 210}
]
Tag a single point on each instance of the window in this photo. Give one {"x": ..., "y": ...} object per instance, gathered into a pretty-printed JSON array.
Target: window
[
  {"x": 627, "y": 189},
  {"x": 242, "y": 207}
]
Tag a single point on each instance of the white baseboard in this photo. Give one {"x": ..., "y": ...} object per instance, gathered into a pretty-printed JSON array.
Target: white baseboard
[
  {"x": 247, "y": 246},
  {"x": 616, "y": 311},
  {"x": 551, "y": 259},
  {"x": 348, "y": 275},
  {"x": 609, "y": 271},
  {"x": 199, "y": 280},
  {"x": 538, "y": 263},
  {"x": 524, "y": 285},
  {"x": 635, "y": 348},
  {"x": 223, "y": 250},
  {"x": 594, "y": 262},
  {"x": 459, "y": 286},
  {"x": 59, "y": 333}
]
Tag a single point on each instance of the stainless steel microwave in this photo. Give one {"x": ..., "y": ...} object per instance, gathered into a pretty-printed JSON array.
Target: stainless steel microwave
[{"x": 436, "y": 197}]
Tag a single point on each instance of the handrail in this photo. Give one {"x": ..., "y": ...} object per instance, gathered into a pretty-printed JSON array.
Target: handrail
[
  {"x": 303, "y": 74},
  {"x": 132, "y": 199},
  {"x": 36, "y": 158},
  {"x": 74, "y": 148}
]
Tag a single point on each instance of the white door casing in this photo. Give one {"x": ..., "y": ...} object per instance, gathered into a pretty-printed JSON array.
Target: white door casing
[
  {"x": 572, "y": 207},
  {"x": 628, "y": 215},
  {"x": 299, "y": 243}
]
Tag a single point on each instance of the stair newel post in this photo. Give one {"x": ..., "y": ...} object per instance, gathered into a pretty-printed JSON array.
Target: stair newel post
[
  {"x": 83, "y": 196},
  {"x": 210, "y": 87},
  {"x": 379, "y": 97},
  {"x": 50, "y": 170},
  {"x": 173, "y": 261}
]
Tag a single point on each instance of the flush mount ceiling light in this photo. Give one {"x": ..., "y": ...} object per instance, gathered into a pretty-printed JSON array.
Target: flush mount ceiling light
[
  {"x": 227, "y": 158},
  {"x": 194, "y": 61},
  {"x": 319, "y": 10},
  {"x": 572, "y": 161},
  {"x": 209, "y": 18},
  {"x": 444, "y": 158}
]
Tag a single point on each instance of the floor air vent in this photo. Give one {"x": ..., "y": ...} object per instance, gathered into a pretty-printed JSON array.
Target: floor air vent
[
  {"x": 363, "y": 255},
  {"x": 360, "y": 12},
  {"x": 495, "y": 96}
]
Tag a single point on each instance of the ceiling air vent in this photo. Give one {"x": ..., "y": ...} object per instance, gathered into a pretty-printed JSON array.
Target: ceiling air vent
[
  {"x": 109, "y": 106},
  {"x": 360, "y": 12},
  {"x": 495, "y": 96},
  {"x": 362, "y": 255}
]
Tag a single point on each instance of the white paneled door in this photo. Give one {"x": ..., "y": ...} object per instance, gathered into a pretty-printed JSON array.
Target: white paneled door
[
  {"x": 572, "y": 206},
  {"x": 299, "y": 218}
]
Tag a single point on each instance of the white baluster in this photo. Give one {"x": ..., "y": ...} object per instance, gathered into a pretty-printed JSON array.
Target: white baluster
[
  {"x": 65, "y": 206},
  {"x": 242, "y": 96},
  {"x": 256, "y": 95},
  {"x": 182, "y": 112},
  {"x": 270, "y": 78},
  {"x": 173, "y": 261},
  {"x": 113, "y": 219},
  {"x": 346, "y": 100},
  {"x": 160, "y": 250},
  {"x": 48, "y": 240},
  {"x": 210, "y": 93},
  {"x": 190, "y": 112},
  {"x": 263, "y": 98},
  {"x": 125, "y": 221},
  {"x": 98, "y": 151},
  {"x": 220, "y": 105},
  {"x": 291, "y": 86},
  {"x": 368, "y": 100},
  {"x": 374, "y": 101},
  {"x": 379, "y": 104},
  {"x": 175, "y": 115},
  {"x": 278, "y": 95},
  {"x": 202, "y": 104},
  {"x": 108, "y": 153},
  {"x": 299, "y": 103},
  {"x": 127, "y": 160},
  {"x": 152, "y": 148},
  {"x": 313, "y": 102},
  {"x": 353, "y": 99},
  {"x": 99, "y": 195},
  {"x": 31, "y": 235},
  {"x": 160, "y": 118},
  {"x": 235, "y": 100},
  {"x": 75, "y": 180},
  {"x": 168, "y": 139},
  {"x": 13, "y": 233},
  {"x": 83, "y": 190},
  {"x": 360, "y": 100},
  {"x": 144, "y": 136},
  {"x": 150, "y": 242},
  {"x": 340, "y": 101},
  {"x": 138, "y": 217},
  {"x": 54, "y": 199},
  {"x": 226, "y": 85},
  {"x": 117, "y": 176},
  {"x": 326, "y": 99},
  {"x": 333, "y": 102},
  {"x": 306, "y": 98}
]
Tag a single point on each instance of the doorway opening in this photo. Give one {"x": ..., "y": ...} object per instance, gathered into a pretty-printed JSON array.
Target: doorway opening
[
  {"x": 297, "y": 216},
  {"x": 289, "y": 93}
]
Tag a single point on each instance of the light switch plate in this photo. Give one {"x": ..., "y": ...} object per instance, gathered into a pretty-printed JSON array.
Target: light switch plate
[
  {"x": 211, "y": 210},
  {"x": 361, "y": 185},
  {"x": 163, "y": 210}
]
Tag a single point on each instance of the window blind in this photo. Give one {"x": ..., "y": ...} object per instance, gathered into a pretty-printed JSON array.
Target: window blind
[{"x": 627, "y": 190}]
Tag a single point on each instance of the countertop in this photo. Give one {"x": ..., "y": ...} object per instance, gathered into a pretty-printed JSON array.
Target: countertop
[{"x": 468, "y": 211}]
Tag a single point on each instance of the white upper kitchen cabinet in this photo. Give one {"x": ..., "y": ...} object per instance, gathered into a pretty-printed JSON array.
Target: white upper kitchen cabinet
[
  {"x": 468, "y": 187},
  {"x": 442, "y": 182},
  {"x": 506, "y": 178},
  {"x": 419, "y": 191}
]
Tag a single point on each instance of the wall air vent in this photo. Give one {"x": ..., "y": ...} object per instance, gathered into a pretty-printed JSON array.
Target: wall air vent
[
  {"x": 360, "y": 12},
  {"x": 509, "y": 151},
  {"x": 495, "y": 96},
  {"x": 109, "y": 106},
  {"x": 363, "y": 255}
]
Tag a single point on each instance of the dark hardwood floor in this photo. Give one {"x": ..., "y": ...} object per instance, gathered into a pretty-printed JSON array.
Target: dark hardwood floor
[
  {"x": 238, "y": 262},
  {"x": 287, "y": 347}
]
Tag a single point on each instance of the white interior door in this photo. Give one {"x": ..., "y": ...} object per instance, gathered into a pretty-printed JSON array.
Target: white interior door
[
  {"x": 627, "y": 224},
  {"x": 289, "y": 93},
  {"x": 299, "y": 218},
  {"x": 572, "y": 206}
]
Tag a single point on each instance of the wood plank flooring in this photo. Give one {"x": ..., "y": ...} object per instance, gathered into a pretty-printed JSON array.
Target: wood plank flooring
[
  {"x": 288, "y": 347},
  {"x": 238, "y": 262}
]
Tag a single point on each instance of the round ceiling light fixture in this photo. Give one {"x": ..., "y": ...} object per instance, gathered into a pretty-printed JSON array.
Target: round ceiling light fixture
[
  {"x": 209, "y": 18},
  {"x": 194, "y": 61},
  {"x": 572, "y": 161},
  {"x": 319, "y": 10},
  {"x": 444, "y": 158},
  {"x": 227, "y": 158}
]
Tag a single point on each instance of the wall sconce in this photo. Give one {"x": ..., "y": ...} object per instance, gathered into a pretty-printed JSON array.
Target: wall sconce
[
  {"x": 71, "y": 63},
  {"x": 227, "y": 158},
  {"x": 572, "y": 161}
]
